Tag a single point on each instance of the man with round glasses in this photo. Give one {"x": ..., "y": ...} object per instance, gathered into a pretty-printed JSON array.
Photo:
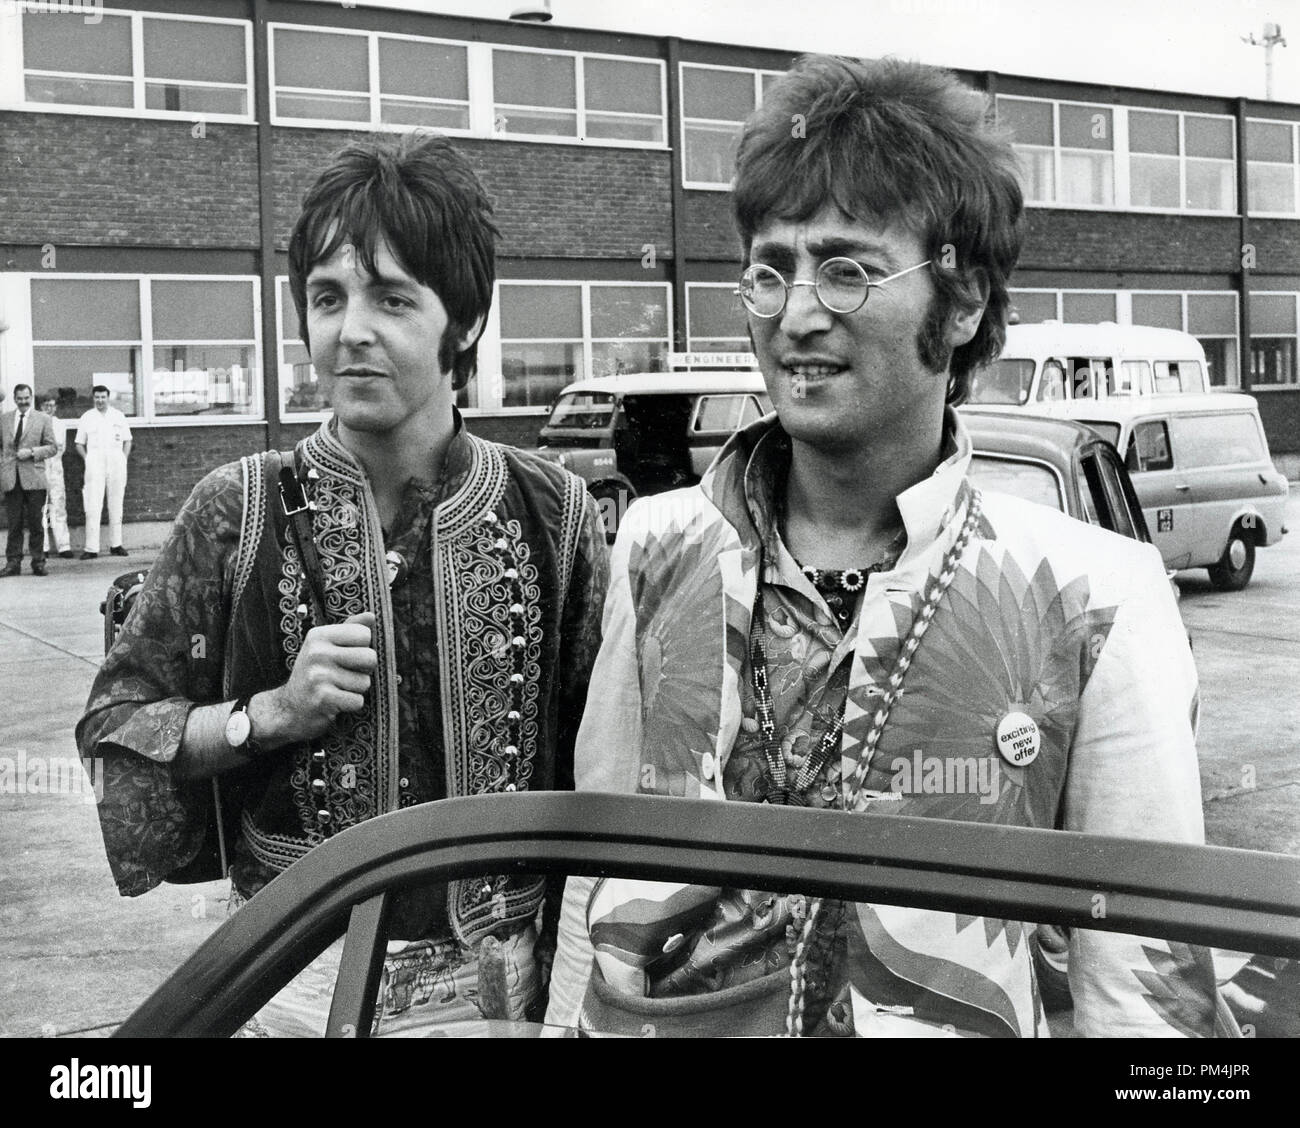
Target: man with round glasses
[{"x": 835, "y": 617}]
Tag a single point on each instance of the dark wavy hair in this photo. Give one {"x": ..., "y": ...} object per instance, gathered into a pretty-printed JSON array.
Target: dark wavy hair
[
  {"x": 420, "y": 196},
  {"x": 894, "y": 142}
]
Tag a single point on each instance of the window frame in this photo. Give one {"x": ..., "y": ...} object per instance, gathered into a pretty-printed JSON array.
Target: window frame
[
  {"x": 742, "y": 344},
  {"x": 139, "y": 80},
  {"x": 580, "y": 100},
  {"x": 1294, "y": 166},
  {"x": 1293, "y": 337},
  {"x": 1122, "y": 155},
  {"x": 499, "y": 341},
  {"x": 374, "y": 93},
  {"x": 685, "y": 122},
  {"x": 148, "y": 341}
]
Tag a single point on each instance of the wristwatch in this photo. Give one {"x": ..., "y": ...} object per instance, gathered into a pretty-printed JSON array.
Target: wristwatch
[{"x": 239, "y": 729}]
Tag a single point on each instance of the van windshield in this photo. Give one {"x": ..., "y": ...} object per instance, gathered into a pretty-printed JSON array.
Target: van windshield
[
  {"x": 586, "y": 411},
  {"x": 1004, "y": 381}
]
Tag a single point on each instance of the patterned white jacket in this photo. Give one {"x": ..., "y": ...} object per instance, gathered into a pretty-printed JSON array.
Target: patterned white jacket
[{"x": 1047, "y": 616}]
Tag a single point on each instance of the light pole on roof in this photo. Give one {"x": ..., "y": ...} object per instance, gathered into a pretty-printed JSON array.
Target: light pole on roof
[{"x": 1272, "y": 38}]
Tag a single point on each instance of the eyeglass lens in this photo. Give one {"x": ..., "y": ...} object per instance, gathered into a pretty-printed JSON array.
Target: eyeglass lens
[{"x": 841, "y": 285}]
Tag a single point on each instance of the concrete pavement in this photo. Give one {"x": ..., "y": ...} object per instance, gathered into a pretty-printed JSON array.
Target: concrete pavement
[{"x": 76, "y": 956}]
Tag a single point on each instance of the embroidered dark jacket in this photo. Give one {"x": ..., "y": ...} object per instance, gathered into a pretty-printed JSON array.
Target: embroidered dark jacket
[{"x": 218, "y": 617}]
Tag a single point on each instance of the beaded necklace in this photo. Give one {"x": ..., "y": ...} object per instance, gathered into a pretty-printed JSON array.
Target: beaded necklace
[{"x": 934, "y": 594}]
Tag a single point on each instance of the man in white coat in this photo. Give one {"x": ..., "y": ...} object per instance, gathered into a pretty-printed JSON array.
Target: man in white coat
[
  {"x": 104, "y": 442},
  {"x": 54, "y": 519}
]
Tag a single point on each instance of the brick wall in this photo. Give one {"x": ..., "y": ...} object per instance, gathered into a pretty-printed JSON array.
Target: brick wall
[
  {"x": 1280, "y": 414},
  {"x": 710, "y": 232},
  {"x": 1277, "y": 247},
  {"x": 1059, "y": 239},
  {"x": 553, "y": 201},
  {"x": 127, "y": 182}
]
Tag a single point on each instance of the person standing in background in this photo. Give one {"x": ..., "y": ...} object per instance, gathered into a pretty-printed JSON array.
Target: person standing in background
[
  {"x": 28, "y": 441},
  {"x": 104, "y": 443},
  {"x": 54, "y": 517}
]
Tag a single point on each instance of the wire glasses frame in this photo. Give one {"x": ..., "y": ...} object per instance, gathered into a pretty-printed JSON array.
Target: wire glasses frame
[{"x": 841, "y": 285}]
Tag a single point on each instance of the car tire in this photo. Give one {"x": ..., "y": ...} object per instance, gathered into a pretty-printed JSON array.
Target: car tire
[{"x": 1237, "y": 564}]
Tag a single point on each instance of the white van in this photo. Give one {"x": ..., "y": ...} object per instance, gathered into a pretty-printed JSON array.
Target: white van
[
  {"x": 1202, "y": 471},
  {"x": 1051, "y": 363}
]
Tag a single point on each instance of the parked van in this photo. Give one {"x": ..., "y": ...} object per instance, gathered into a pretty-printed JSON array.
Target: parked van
[
  {"x": 1050, "y": 363},
  {"x": 1202, "y": 471},
  {"x": 643, "y": 433}
]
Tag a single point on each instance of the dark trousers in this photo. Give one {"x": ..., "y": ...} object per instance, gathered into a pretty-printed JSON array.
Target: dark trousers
[{"x": 23, "y": 508}]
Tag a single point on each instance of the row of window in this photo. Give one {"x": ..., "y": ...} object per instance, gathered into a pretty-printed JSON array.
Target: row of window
[
  {"x": 1082, "y": 154},
  {"x": 1073, "y": 154},
  {"x": 189, "y": 347}
]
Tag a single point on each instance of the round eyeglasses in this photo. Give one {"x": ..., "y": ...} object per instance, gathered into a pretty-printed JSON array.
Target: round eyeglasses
[{"x": 842, "y": 286}]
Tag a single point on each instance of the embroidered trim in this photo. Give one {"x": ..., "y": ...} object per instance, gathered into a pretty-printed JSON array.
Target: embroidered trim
[
  {"x": 575, "y": 501},
  {"x": 279, "y": 851},
  {"x": 251, "y": 525}
]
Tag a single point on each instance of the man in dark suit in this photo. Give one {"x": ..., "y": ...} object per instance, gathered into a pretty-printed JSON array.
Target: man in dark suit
[{"x": 28, "y": 440}]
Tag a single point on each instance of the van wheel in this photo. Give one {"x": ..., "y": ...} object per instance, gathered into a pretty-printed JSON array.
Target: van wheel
[{"x": 1237, "y": 564}]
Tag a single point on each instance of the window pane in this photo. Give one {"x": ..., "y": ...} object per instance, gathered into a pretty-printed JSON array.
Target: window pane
[
  {"x": 70, "y": 373},
  {"x": 195, "y": 99},
  {"x": 325, "y": 107},
  {"x": 711, "y": 153},
  {"x": 1086, "y": 127},
  {"x": 76, "y": 309},
  {"x": 199, "y": 52},
  {"x": 1210, "y": 185},
  {"x": 548, "y": 123},
  {"x": 629, "y": 311},
  {"x": 540, "y": 311},
  {"x": 1085, "y": 309},
  {"x": 1030, "y": 122},
  {"x": 1221, "y": 357},
  {"x": 1215, "y": 440},
  {"x": 1212, "y": 313},
  {"x": 80, "y": 91},
  {"x": 1272, "y": 360},
  {"x": 1003, "y": 381},
  {"x": 719, "y": 413},
  {"x": 1028, "y": 480},
  {"x": 1165, "y": 311},
  {"x": 424, "y": 70},
  {"x": 616, "y": 84},
  {"x": 625, "y": 128},
  {"x": 1037, "y": 174},
  {"x": 300, "y": 388},
  {"x": 203, "y": 380},
  {"x": 430, "y": 114},
  {"x": 1152, "y": 133},
  {"x": 533, "y": 374},
  {"x": 1271, "y": 187},
  {"x": 202, "y": 311},
  {"x": 1151, "y": 441},
  {"x": 1208, "y": 136},
  {"x": 1268, "y": 141},
  {"x": 725, "y": 95},
  {"x": 64, "y": 41},
  {"x": 1272, "y": 313},
  {"x": 1087, "y": 178},
  {"x": 1153, "y": 182},
  {"x": 714, "y": 311},
  {"x": 532, "y": 79},
  {"x": 1035, "y": 306},
  {"x": 321, "y": 60},
  {"x": 610, "y": 358}
]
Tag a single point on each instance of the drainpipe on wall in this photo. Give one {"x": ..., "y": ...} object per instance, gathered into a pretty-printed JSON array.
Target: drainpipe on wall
[
  {"x": 1243, "y": 272},
  {"x": 266, "y": 224}
]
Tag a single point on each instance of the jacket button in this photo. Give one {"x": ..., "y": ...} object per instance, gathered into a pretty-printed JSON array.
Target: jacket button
[{"x": 706, "y": 765}]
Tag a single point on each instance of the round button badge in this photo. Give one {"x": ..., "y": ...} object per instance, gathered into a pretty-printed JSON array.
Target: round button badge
[{"x": 1018, "y": 739}]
